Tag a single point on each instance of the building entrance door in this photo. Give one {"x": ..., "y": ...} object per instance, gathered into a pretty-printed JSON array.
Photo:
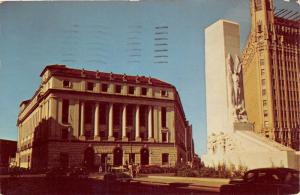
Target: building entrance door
[
  {"x": 89, "y": 156},
  {"x": 118, "y": 156},
  {"x": 144, "y": 156},
  {"x": 64, "y": 160}
]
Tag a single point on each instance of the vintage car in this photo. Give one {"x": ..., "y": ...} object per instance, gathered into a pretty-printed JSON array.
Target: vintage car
[
  {"x": 117, "y": 174},
  {"x": 56, "y": 172},
  {"x": 264, "y": 181},
  {"x": 75, "y": 172}
]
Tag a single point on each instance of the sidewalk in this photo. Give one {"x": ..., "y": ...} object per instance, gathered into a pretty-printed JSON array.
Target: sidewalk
[{"x": 212, "y": 184}]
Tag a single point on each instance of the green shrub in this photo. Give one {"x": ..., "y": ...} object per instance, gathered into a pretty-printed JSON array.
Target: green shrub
[{"x": 221, "y": 171}]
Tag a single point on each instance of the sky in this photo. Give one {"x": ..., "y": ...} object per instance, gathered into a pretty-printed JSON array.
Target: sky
[{"x": 161, "y": 39}]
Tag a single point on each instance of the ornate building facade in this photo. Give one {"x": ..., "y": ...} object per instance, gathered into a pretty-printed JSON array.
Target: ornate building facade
[
  {"x": 89, "y": 117},
  {"x": 271, "y": 74}
]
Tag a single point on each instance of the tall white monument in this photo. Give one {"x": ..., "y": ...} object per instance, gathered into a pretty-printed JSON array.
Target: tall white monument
[
  {"x": 222, "y": 71},
  {"x": 231, "y": 140}
]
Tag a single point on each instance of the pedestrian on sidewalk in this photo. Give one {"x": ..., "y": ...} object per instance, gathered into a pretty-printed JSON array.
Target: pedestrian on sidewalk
[
  {"x": 138, "y": 169},
  {"x": 130, "y": 167}
]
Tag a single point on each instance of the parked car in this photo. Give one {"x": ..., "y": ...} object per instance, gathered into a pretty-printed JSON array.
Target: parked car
[
  {"x": 264, "y": 181},
  {"x": 117, "y": 175},
  {"x": 56, "y": 172},
  {"x": 79, "y": 172}
]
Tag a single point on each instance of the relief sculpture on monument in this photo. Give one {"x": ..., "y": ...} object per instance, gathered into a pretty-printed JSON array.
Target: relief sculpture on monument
[{"x": 235, "y": 89}]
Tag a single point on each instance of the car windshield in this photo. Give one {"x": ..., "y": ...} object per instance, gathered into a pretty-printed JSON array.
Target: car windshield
[
  {"x": 292, "y": 178},
  {"x": 249, "y": 177}
]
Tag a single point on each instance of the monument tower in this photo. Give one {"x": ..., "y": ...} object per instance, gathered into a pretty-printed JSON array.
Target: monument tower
[
  {"x": 222, "y": 39},
  {"x": 231, "y": 136}
]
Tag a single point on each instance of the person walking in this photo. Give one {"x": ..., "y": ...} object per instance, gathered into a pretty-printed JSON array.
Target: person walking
[
  {"x": 138, "y": 169},
  {"x": 130, "y": 167}
]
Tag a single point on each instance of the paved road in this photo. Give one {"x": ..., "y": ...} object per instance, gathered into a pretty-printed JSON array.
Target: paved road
[{"x": 67, "y": 185}]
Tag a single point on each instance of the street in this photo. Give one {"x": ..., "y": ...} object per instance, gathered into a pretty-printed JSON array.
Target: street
[{"x": 68, "y": 185}]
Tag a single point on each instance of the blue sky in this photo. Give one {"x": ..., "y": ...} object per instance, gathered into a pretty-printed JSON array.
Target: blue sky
[{"x": 112, "y": 37}]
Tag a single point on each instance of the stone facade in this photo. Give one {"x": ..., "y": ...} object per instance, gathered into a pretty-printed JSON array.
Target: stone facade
[{"x": 78, "y": 117}]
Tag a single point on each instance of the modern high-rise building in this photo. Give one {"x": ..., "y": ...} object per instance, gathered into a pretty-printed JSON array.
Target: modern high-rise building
[
  {"x": 271, "y": 70},
  {"x": 85, "y": 117}
]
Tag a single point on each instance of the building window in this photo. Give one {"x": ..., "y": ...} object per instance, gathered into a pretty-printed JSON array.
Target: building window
[
  {"x": 263, "y": 92},
  {"x": 64, "y": 133},
  {"x": 128, "y": 135},
  {"x": 90, "y": 86},
  {"x": 264, "y": 102},
  {"x": 144, "y": 91},
  {"x": 103, "y": 114},
  {"x": 164, "y": 93},
  {"x": 88, "y": 113},
  {"x": 163, "y": 117},
  {"x": 262, "y": 62},
  {"x": 65, "y": 111},
  {"x": 262, "y": 72},
  {"x": 131, "y": 157},
  {"x": 266, "y": 123},
  {"x": 263, "y": 82},
  {"x": 116, "y": 134},
  {"x": 102, "y": 134},
  {"x": 259, "y": 28},
  {"x": 164, "y": 136},
  {"x": 165, "y": 158},
  {"x": 267, "y": 135},
  {"x": 258, "y": 5},
  {"x": 265, "y": 113},
  {"x": 131, "y": 89},
  {"x": 117, "y": 88},
  {"x": 116, "y": 115},
  {"x": 104, "y": 87},
  {"x": 142, "y": 116},
  {"x": 129, "y": 115},
  {"x": 66, "y": 84}
]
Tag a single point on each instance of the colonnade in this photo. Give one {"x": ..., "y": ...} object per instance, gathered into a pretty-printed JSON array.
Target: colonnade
[{"x": 111, "y": 118}]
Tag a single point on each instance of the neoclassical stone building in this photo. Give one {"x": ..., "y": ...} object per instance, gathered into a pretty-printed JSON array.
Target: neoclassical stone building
[{"x": 90, "y": 117}]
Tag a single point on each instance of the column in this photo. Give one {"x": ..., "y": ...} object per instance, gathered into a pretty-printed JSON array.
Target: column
[
  {"x": 110, "y": 123},
  {"x": 155, "y": 123},
  {"x": 124, "y": 136},
  {"x": 137, "y": 123},
  {"x": 150, "y": 136},
  {"x": 96, "y": 125},
  {"x": 53, "y": 117},
  {"x": 82, "y": 137}
]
